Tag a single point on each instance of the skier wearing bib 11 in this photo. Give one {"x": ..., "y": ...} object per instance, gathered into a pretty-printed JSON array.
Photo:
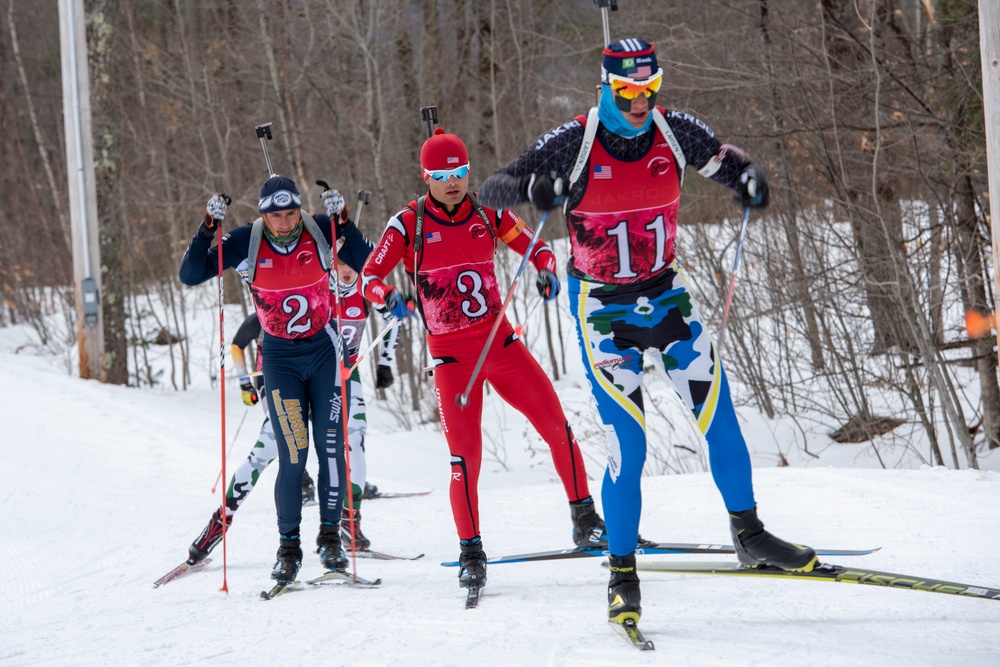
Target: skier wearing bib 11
[{"x": 627, "y": 293}]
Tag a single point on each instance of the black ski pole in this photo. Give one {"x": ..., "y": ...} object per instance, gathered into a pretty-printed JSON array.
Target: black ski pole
[
  {"x": 364, "y": 197},
  {"x": 604, "y": 5},
  {"x": 264, "y": 132},
  {"x": 732, "y": 284},
  {"x": 429, "y": 115}
]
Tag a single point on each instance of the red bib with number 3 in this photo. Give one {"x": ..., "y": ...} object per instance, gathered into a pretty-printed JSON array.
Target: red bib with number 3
[
  {"x": 292, "y": 291},
  {"x": 624, "y": 229},
  {"x": 458, "y": 282}
]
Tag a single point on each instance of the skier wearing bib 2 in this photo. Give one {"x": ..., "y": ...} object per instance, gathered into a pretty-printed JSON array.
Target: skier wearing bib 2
[
  {"x": 354, "y": 313},
  {"x": 285, "y": 258},
  {"x": 452, "y": 266},
  {"x": 618, "y": 173}
]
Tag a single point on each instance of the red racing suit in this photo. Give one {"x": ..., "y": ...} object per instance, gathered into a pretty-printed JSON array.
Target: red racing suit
[{"x": 459, "y": 300}]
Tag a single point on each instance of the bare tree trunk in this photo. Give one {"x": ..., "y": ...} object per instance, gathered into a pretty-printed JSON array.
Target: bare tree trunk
[
  {"x": 487, "y": 139},
  {"x": 878, "y": 238},
  {"x": 799, "y": 282},
  {"x": 102, "y": 54},
  {"x": 974, "y": 296},
  {"x": 934, "y": 284}
]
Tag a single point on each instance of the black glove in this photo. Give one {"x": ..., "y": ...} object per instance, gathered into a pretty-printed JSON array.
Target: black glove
[
  {"x": 546, "y": 191},
  {"x": 249, "y": 386},
  {"x": 547, "y": 284},
  {"x": 399, "y": 306},
  {"x": 752, "y": 188},
  {"x": 383, "y": 376}
]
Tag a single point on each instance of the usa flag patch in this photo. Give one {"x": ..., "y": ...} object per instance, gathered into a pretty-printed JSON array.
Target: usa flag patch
[
  {"x": 266, "y": 263},
  {"x": 433, "y": 237},
  {"x": 602, "y": 172}
]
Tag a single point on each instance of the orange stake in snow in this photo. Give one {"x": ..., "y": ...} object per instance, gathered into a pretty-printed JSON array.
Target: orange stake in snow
[{"x": 978, "y": 325}]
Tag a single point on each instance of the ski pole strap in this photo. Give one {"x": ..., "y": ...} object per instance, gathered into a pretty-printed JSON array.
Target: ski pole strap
[
  {"x": 418, "y": 245},
  {"x": 418, "y": 230},
  {"x": 589, "y": 134}
]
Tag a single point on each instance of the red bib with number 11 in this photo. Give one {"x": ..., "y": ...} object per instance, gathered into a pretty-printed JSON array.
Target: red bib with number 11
[
  {"x": 624, "y": 229},
  {"x": 292, "y": 291}
]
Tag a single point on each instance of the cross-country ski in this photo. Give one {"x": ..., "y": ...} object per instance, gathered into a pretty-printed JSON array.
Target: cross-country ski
[
  {"x": 647, "y": 548},
  {"x": 184, "y": 568},
  {"x": 827, "y": 572}
]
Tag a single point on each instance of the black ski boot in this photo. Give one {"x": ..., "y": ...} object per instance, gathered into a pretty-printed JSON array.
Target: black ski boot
[
  {"x": 755, "y": 546},
  {"x": 330, "y": 553},
  {"x": 308, "y": 489},
  {"x": 472, "y": 563},
  {"x": 209, "y": 537},
  {"x": 289, "y": 559},
  {"x": 371, "y": 491},
  {"x": 623, "y": 589},
  {"x": 588, "y": 526},
  {"x": 642, "y": 542},
  {"x": 346, "y": 521}
]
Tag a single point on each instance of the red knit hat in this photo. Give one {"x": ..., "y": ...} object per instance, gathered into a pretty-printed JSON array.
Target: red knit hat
[{"x": 443, "y": 151}]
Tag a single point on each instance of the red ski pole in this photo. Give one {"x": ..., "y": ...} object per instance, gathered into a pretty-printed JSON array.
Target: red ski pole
[{"x": 222, "y": 402}]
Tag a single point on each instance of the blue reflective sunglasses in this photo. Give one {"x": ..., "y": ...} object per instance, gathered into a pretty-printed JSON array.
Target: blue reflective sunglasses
[{"x": 444, "y": 174}]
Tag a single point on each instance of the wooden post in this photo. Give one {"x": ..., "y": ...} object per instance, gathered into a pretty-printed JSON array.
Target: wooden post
[
  {"x": 82, "y": 189},
  {"x": 989, "y": 48}
]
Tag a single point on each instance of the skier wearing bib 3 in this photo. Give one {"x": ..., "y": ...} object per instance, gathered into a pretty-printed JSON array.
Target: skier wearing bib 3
[
  {"x": 618, "y": 173},
  {"x": 447, "y": 243}
]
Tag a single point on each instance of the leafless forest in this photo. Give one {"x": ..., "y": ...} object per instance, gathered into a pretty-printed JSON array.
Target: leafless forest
[{"x": 867, "y": 115}]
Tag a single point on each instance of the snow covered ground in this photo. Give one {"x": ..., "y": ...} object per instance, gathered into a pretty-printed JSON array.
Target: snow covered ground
[{"x": 103, "y": 488}]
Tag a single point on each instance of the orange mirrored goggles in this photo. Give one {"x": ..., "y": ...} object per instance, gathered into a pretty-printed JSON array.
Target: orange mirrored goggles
[{"x": 630, "y": 89}]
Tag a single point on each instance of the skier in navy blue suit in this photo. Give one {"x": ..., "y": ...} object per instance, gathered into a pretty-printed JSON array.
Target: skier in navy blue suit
[{"x": 285, "y": 257}]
